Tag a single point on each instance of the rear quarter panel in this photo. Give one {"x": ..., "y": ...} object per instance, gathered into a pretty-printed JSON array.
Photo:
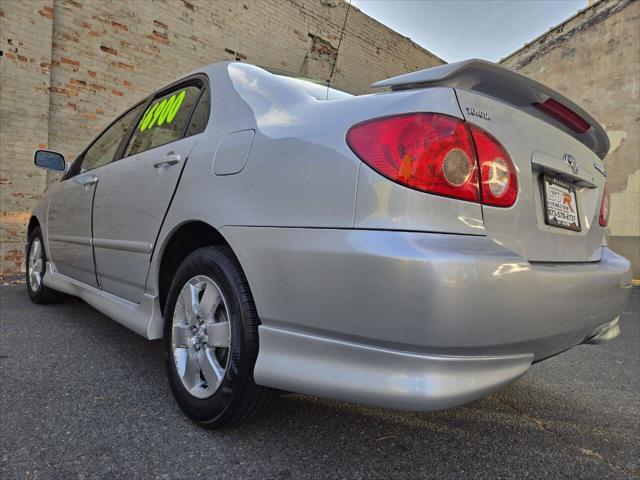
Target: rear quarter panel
[{"x": 301, "y": 173}]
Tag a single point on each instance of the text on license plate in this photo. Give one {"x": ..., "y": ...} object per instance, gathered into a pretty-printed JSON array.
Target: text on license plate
[{"x": 561, "y": 206}]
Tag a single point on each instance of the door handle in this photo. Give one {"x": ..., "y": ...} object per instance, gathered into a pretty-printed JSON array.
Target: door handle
[{"x": 168, "y": 160}]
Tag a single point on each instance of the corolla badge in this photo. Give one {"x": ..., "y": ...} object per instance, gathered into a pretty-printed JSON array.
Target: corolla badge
[{"x": 572, "y": 162}]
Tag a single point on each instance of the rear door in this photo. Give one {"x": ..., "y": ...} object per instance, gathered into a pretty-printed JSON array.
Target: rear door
[
  {"x": 135, "y": 191},
  {"x": 71, "y": 200},
  {"x": 553, "y": 167}
]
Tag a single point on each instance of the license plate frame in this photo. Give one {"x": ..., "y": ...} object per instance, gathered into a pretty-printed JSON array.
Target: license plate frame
[{"x": 559, "y": 198}]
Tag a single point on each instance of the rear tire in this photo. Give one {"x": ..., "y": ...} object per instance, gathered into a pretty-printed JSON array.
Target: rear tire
[
  {"x": 211, "y": 341},
  {"x": 36, "y": 262}
]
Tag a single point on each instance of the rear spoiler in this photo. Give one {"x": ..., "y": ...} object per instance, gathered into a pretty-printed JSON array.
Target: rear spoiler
[{"x": 512, "y": 88}]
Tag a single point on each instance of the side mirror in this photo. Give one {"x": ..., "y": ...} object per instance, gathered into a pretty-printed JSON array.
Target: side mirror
[{"x": 49, "y": 160}]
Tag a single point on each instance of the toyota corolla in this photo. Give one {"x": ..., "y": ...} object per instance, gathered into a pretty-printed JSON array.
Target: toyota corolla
[{"x": 417, "y": 248}]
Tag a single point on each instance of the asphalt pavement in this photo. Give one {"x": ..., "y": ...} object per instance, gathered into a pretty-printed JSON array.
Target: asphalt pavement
[{"x": 82, "y": 397}]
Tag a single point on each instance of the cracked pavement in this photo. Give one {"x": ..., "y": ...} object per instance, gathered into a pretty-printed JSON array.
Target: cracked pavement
[{"x": 82, "y": 397}]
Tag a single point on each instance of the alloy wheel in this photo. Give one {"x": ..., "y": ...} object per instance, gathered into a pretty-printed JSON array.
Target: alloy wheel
[
  {"x": 201, "y": 336},
  {"x": 36, "y": 265}
]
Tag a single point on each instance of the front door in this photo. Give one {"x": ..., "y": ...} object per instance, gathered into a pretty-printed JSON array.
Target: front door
[
  {"x": 69, "y": 217},
  {"x": 134, "y": 193},
  {"x": 69, "y": 227}
]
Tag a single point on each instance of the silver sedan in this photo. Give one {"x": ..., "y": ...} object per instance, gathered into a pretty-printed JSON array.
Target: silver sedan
[{"x": 414, "y": 249}]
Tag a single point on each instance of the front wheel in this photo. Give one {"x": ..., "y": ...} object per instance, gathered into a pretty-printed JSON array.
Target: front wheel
[
  {"x": 36, "y": 261},
  {"x": 211, "y": 340}
]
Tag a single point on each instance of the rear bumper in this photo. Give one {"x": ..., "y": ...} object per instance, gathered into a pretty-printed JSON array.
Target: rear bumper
[
  {"x": 415, "y": 320},
  {"x": 376, "y": 376}
]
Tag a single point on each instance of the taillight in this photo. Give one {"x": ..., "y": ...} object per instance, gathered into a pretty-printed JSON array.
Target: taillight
[
  {"x": 426, "y": 151},
  {"x": 435, "y": 153},
  {"x": 499, "y": 185},
  {"x": 604, "y": 208}
]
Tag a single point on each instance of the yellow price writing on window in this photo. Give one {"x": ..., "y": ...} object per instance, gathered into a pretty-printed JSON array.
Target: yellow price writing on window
[{"x": 162, "y": 112}]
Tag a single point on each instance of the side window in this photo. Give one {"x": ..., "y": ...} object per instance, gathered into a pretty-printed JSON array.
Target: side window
[
  {"x": 104, "y": 149},
  {"x": 164, "y": 120},
  {"x": 200, "y": 116}
]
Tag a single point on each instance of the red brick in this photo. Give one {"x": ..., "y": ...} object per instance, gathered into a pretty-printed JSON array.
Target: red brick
[
  {"x": 101, "y": 19},
  {"x": 22, "y": 58},
  {"x": 118, "y": 93},
  {"x": 158, "y": 38},
  {"x": 46, "y": 12},
  {"x": 119, "y": 26},
  {"x": 125, "y": 66},
  {"x": 108, "y": 50},
  {"x": 68, "y": 61},
  {"x": 10, "y": 56},
  {"x": 58, "y": 90},
  {"x": 91, "y": 74}
]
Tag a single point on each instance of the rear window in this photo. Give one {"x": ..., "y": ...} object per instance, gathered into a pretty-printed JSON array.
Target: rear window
[{"x": 164, "y": 120}]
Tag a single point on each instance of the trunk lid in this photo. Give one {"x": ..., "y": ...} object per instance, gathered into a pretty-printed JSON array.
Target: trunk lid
[
  {"x": 540, "y": 150},
  {"x": 542, "y": 146}
]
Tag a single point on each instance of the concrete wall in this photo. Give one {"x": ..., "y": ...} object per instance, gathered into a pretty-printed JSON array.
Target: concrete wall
[
  {"x": 68, "y": 67},
  {"x": 594, "y": 59}
]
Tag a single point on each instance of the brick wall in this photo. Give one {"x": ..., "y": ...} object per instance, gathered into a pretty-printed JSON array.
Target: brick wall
[
  {"x": 594, "y": 59},
  {"x": 24, "y": 117},
  {"x": 68, "y": 67}
]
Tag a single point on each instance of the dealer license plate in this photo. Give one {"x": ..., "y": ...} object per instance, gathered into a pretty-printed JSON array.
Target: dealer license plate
[{"x": 561, "y": 207}]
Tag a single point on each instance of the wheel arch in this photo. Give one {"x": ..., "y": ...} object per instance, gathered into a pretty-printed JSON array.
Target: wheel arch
[{"x": 184, "y": 239}]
